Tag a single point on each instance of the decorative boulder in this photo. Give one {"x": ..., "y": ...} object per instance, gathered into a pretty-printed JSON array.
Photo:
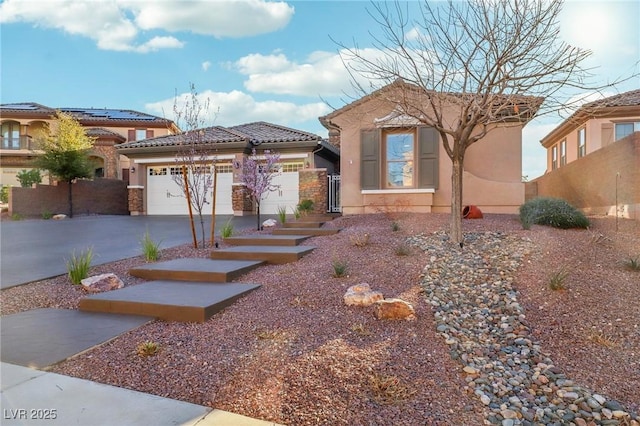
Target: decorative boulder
[
  {"x": 395, "y": 309},
  {"x": 100, "y": 283},
  {"x": 59, "y": 216},
  {"x": 362, "y": 295},
  {"x": 269, "y": 223}
]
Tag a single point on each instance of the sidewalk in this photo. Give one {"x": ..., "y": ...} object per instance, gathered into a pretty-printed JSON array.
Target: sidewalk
[{"x": 33, "y": 397}]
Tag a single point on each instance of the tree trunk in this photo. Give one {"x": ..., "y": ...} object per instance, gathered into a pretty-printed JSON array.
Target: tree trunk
[
  {"x": 258, "y": 215},
  {"x": 70, "y": 198},
  {"x": 456, "y": 201}
]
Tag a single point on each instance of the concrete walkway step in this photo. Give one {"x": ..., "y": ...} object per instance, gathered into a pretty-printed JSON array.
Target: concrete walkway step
[
  {"x": 303, "y": 224},
  {"x": 306, "y": 231},
  {"x": 270, "y": 254},
  {"x": 193, "y": 269},
  {"x": 169, "y": 300},
  {"x": 266, "y": 240}
]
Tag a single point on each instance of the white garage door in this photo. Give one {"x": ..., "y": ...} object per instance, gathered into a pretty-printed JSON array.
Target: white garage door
[
  {"x": 285, "y": 196},
  {"x": 164, "y": 196}
]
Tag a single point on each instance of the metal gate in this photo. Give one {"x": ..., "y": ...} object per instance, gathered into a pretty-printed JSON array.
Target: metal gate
[{"x": 333, "y": 197}]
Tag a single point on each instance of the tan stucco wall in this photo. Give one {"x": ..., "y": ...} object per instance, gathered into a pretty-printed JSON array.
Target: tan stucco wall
[
  {"x": 600, "y": 133},
  {"x": 492, "y": 179}
]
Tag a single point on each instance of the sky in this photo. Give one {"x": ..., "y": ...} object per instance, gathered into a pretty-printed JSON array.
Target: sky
[{"x": 253, "y": 60}]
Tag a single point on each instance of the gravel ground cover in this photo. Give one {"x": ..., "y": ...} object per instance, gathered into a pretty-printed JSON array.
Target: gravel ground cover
[{"x": 492, "y": 344}]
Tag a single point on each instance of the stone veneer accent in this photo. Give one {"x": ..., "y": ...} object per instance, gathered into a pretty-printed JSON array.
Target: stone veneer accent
[
  {"x": 312, "y": 185},
  {"x": 240, "y": 200},
  {"x": 136, "y": 199}
]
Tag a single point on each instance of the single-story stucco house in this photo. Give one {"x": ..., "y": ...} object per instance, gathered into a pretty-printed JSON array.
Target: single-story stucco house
[
  {"x": 392, "y": 161},
  {"x": 305, "y": 161}
]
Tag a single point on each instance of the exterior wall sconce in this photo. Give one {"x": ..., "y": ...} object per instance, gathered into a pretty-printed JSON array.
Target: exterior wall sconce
[{"x": 132, "y": 169}]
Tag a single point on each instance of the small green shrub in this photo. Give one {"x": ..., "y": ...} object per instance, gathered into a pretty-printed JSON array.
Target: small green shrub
[
  {"x": 633, "y": 263},
  {"x": 148, "y": 348},
  {"x": 305, "y": 206},
  {"x": 296, "y": 213},
  {"x": 558, "y": 278},
  {"x": 28, "y": 177},
  {"x": 150, "y": 248},
  {"x": 46, "y": 215},
  {"x": 78, "y": 266},
  {"x": 4, "y": 194},
  {"x": 339, "y": 268},
  {"x": 552, "y": 212},
  {"x": 282, "y": 214},
  {"x": 395, "y": 226},
  {"x": 403, "y": 250},
  {"x": 227, "y": 229},
  {"x": 17, "y": 216}
]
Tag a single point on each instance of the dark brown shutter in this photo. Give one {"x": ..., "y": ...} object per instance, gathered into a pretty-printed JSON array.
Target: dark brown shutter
[
  {"x": 370, "y": 159},
  {"x": 149, "y": 133},
  {"x": 132, "y": 135},
  {"x": 428, "y": 148}
]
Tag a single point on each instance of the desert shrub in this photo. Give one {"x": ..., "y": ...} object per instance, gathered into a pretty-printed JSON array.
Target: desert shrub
[
  {"x": 28, "y": 177},
  {"x": 78, "y": 266},
  {"x": 552, "y": 212},
  {"x": 227, "y": 229},
  {"x": 557, "y": 279},
  {"x": 339, "y": 268},
  {"x": 395, "y": 226},
  {"x": 148, "y": 348},
  {"x": 4, "y": 194},
  {"x": 305, "y": 206},
  {"x": 282, "y": 214},
  {"x": 360, "y": 240},
  {"x": 632, "y": 263},
  {"x": 150, "y": 248},
  {"x": 17, "y": 216},
  {"x": 403, "y": 250},
  {"x": 46, "y": 215}
]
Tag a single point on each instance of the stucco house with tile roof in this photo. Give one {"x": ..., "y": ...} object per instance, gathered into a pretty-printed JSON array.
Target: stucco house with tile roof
[
  {"x": 303, "y": 157},
  {"x": 593, "y": 158},
  {"x": 392, "y": 161},
  {"x": 21, "y": 122}
]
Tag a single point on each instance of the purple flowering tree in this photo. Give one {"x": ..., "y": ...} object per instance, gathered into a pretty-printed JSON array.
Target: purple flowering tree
[{"x": 257, "y": 174}]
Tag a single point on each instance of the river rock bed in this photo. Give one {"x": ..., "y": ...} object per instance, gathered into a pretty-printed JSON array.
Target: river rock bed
[{"x": 477, "y": 313}]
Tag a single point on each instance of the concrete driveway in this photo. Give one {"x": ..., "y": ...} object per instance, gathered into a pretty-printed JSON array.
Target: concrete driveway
[{"x": 32, "y": 250}]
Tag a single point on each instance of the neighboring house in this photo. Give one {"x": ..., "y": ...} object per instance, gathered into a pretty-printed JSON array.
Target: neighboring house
[
  {"x": 391, "y": 161},
  {"x": 593, "y": 126},
  {"x": 593, "y": 158},
  {"x": 305, "y": 161},
  {"x": 21, "y": 123}
]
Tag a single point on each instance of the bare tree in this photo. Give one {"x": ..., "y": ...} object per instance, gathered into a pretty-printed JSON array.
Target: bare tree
[
  {"x": 257, "y": 175},
  {"x": 466, "y": 68},
  {"x": 195, "y": 171}
]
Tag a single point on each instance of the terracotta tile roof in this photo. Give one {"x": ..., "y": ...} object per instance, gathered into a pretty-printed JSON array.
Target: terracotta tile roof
[
  {"x": 101, "y": 132},
  {"x": 251, "y": 134},
  {"x": 26, "y": 107},
  {"x": 261, "y": 132},
  {"x": 630, "y": 98}
]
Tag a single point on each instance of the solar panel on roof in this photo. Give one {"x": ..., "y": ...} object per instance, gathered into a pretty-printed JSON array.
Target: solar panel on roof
[{"x": 20, "y": 106}]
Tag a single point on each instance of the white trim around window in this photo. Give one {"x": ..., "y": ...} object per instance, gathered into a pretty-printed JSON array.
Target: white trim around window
[{"x": 398, "y": 191}]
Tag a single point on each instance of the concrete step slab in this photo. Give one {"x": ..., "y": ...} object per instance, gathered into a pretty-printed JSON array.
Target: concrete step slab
[
  {"x": 303, "y": 224},
  {"x": 270, "y": 254},
  {"x": 194, "y": 269},
  {"x": 266, "y": 240},
  {"x": 43, "y": 337},
  {"x": 306, "y": 231},
  {"x": 169, "y": 300}
]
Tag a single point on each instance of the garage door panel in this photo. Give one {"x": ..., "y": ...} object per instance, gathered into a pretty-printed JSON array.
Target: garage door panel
[{"x": 285, "y": 196}]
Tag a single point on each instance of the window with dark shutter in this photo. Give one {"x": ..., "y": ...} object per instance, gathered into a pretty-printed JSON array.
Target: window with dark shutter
[
  {"x": 428, "y": 149},
  {"x": 131, "y": 135},
  {"x": 370, "y": 159}
]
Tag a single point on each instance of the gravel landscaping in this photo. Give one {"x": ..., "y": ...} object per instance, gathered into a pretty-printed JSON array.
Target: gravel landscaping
[{"x": 492, "y": 343}]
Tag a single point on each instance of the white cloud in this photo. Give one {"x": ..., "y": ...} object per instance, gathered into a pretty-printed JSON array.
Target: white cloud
[
  {"x": 216, "y": 18},
  {"x": 236, "y": 107},
  {"x": 534, "y": 155},
  {"x": 117, "y": 25},
  {"x": 206, "y": 65},
  {"x": 322, "y": 73}
]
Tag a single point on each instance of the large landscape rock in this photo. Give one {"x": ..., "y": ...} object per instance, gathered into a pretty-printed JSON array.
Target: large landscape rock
[
  {"x": 362, "y": 295},
  {"x": 103, "y": 282},
  {"x": 395, "y": 309}
]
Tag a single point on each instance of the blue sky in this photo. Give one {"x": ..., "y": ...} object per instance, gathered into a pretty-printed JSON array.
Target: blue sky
[{"x": 253, "y": 60}]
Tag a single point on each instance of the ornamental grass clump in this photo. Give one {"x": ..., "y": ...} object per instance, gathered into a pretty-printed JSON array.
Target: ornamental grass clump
[
  {"x": 551, "y": 212},
  {"x": 150, "y": 248},
  {"x": 227, "y": 229},
  {"x": 78, "y": 266},
  {"x": 632, "y": 263}
]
